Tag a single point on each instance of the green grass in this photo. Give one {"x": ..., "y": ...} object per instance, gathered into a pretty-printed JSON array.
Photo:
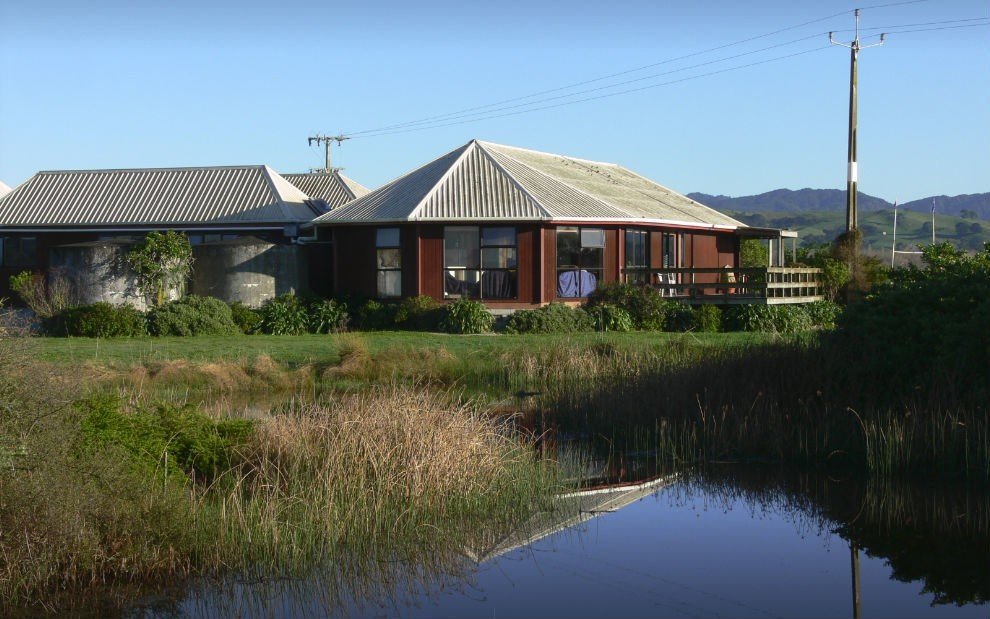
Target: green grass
[{"x": 298, "y": 350}]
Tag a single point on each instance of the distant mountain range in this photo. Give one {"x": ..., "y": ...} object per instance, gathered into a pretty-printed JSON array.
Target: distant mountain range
[{"x": 971, "y": 206}]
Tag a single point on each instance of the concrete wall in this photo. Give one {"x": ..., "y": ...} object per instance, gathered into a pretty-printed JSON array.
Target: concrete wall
[
  {"x": 94, "y": 272},
  {"x": 248, "y": 269}
]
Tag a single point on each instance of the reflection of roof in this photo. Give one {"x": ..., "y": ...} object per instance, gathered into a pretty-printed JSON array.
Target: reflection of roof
[
  {"x": 572, "y": 509},
  {"x": 157, "y": 196},
  {"x": 333, "y": 188},
  {"x": 485, "y": 181}
]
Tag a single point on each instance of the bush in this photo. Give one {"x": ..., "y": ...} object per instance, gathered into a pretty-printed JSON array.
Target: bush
[
  {"x": 679, "y": 318},
  {"x": 192, "y": 315},
  {"x": 553, "y": 318},
  {"x": 647, "y": 309},
  {"x": 609, "y": 317},
  {"x": 375, "y": 316},
  {"x": 420, "y": 313},
  {"x": 822, "y": 314},
  {"x": 467, "y": 316},
  {"x": 328, "y": 316},
  {"x": 708, "y": 319},
  {"x": 99, "y": 320},
  {"x": 284, "y": 315},
  {"x": 246, "y": 319},
  {"x": 779, "y": 319},
  {"x": 47, "y": 297}
]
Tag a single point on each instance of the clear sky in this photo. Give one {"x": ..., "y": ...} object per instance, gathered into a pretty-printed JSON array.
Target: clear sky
[{"x": 104, "y": 84}]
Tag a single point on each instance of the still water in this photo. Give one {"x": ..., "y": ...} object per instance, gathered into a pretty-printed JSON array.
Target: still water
[{"x": 725, "y": 543}]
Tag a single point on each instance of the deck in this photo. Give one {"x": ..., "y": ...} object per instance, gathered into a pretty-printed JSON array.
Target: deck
[{"x": 739, "y": 286}]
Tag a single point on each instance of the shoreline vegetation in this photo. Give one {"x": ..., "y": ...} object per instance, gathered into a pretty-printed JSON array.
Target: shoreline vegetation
[{"x": 126, "y": 461}]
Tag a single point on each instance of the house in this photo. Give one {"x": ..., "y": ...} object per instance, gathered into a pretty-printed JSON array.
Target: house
[
  {"x": 243, "y": 222},
  {"x": 518, "y": 228}
]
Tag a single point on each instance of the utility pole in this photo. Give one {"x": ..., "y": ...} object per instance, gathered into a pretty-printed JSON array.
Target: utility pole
[
  {"x": 852, "y": 177},
  {"x": 327, "y": 140}
]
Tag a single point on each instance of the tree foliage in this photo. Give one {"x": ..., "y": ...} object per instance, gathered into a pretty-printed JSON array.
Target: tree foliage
[{"x": 161, "y": 261}]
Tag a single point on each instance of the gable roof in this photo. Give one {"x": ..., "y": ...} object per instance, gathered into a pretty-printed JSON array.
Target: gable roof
[
  {"x": 482, "y": 181},
  {"x": 156, "y": 196},
  {"x": 332, "y": 187},
  {"x": 4, "y": 189}
]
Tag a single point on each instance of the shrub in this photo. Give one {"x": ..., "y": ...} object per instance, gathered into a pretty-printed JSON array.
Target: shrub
[
  {"x": 328, "y": 316},
  {"x": 553, "y": 318},
  {"x": 609, "y": 317},
  {"x": 192, "y": 315},
  {"x": 822, "y": 314},
  {"x": 467, "y": 316},
  {"x": 284, "y": 315},
  {"x": 246, "y": 319},
  {"x": 646, "y": 307},
  {"x": 99, "y": 320},
  {"x": 420, "y": 313},
  {"x": 46, "y": 297},
  {"x": 161, "y": 261},
  {"x": 708, "y": 319},
  {"x": 679, "y": 318},
  {"x": 779, "y": 319},
  {"x": 375, "y": 316}
]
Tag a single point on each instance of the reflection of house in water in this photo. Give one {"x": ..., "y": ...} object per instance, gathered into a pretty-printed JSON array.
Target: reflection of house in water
[{"x": 572, "y": 509}]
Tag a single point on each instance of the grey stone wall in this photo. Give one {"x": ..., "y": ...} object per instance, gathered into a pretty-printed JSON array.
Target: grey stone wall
[{"x": 248, "y": 269}]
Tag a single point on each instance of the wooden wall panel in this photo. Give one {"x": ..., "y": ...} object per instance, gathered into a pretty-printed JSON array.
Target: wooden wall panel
[
  {"x": 409, "y": 242},
  {"x": 610, "y": 262},
  {"x": 549, "y": 264},
  {"x": 354, "y": 261},
  {"x": 431, "y": 261},
  {"x": 727, "y": 246},
  {"x": 704, "y": 255},
  {"x": 525, "y": 242}
]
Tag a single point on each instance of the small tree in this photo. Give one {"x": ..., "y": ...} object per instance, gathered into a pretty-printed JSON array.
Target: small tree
[
  {"x": 753, "y": 253},
  {"x": 161, "y": 261}
]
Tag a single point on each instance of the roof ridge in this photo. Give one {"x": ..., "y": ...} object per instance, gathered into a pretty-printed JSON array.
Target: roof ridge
[
  {"x": 268, "y": 174},
  {"x": 159, "y": 169},
  {"x": 566, "y": 184},
  {"x": 413, "y": 214},
  {"x": 543, "y": 152},
  {"x": 512, "y": 179}
]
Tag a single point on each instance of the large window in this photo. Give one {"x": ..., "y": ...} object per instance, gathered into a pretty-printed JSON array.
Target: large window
[
  {"x": 480, "y": 262},
  {"x": 580, "y": 255},
  {"x": 18, "y": 251},
  {"x": 637, "y": 267},
  {"x": 388, "y": 262},
  {"x": 671, "y": 247}
]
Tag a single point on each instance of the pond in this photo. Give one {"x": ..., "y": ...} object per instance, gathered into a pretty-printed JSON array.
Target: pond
[{"x": 730, "y": 541}]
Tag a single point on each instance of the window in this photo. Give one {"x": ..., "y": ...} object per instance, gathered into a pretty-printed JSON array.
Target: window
[
  {"x": 480, "y": 262},
  {"x": 671, "y": 243},
  {"x": 580, "y": 255},
  {"x": 388, "y": 262},
  {"x": 637, "y": 256},
  {"x": 18, "y": 251}
]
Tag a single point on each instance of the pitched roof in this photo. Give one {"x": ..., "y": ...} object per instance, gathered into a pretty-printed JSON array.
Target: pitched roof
[
  {"x": 4, "y": 189},
  {"x": 156, "y": 196},
  {"x": 484, "y": 181},
  {"x": 333, "y": 188}
]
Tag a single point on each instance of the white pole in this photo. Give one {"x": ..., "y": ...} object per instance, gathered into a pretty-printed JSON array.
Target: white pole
[
  {"x": 893, "y": 245},
  {"x": 933, "y": 221}
]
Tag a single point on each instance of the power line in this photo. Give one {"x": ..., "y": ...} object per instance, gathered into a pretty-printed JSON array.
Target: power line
[
  {"x": 606, "y": 77},
  {"x": 599, "y": 88},
  {"x": 603, "y": 96}
]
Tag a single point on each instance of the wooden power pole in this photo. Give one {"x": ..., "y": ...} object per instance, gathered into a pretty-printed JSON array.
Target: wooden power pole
[
  {"x": 852, "y": 176},
  {"x": 326, "y": 141}
]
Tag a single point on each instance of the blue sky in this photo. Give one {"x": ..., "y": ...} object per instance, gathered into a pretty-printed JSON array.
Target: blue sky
[{"x": 136, "y": 84}]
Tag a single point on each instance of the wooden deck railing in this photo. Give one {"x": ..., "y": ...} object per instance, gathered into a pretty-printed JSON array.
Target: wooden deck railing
[{"x": 771, "y": 285}]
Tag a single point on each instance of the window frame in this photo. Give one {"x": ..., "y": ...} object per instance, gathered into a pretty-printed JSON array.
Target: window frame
[
  {"x": 380, "y": 270},
  {"x": 7, "y": 243},
  {"x": 637, "y": 273},
  {"x": 597, "y": 271},
  {"x": 476, "y": 289}
]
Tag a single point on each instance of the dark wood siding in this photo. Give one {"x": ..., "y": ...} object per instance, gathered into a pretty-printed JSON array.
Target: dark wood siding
[
  {"x": 354, "y": 261},
  {"x": 656, "y": 249},
  {"x": 524, "y": 248},
  {"x": 409, "y": 240},
  {"x": 728, "y": 250},
  {"x": 549, "y": 264},
  {"x": 610, "y": 261},
  {"x": 431, "y": 261}
]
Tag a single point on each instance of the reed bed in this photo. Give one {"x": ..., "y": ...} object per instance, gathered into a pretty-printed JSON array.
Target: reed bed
[
  {"x": 393, "y": 475},
  {"x": 795, "y": 400}
]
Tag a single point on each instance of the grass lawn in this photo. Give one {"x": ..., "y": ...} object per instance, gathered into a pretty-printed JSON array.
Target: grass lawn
[{"x": 295, "y": 351}]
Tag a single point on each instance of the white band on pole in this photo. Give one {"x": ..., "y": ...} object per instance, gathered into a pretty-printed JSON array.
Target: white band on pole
[{"x": 853, "y": 172}]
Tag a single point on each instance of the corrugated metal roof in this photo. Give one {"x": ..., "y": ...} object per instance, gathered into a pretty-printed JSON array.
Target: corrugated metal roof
[
  {"x": 333, "y": 188},
  {"x": 485, "y": 181},
  {"x": 155, "y": 196}
]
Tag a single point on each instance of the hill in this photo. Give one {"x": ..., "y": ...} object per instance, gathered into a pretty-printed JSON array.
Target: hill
[{"x": 969, "y": 206}]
